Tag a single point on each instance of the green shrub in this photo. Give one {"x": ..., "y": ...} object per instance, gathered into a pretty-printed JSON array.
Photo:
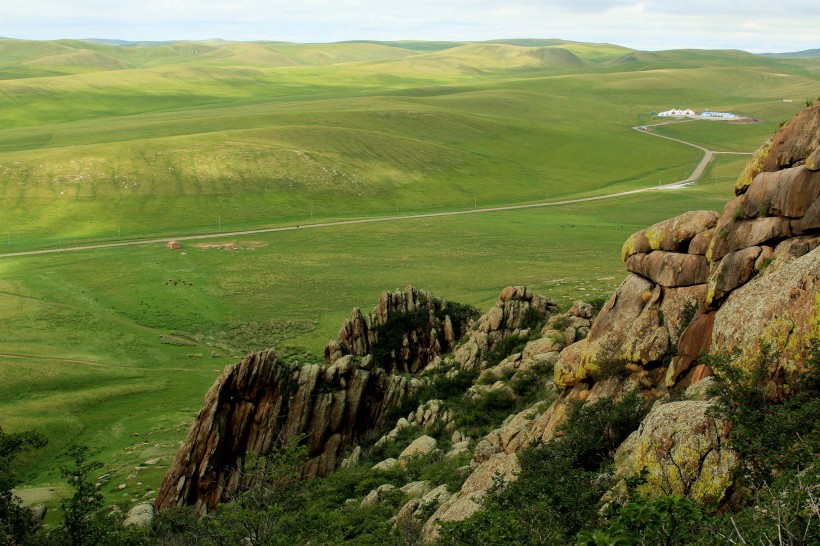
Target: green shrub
[
  {"x": 390, "y": 335},
  {"x": 508, "y": 346},
  {"x": 773, "y": 434},
  {"x": 478, "y": 415},
  {"x": 560, "y": 483}
]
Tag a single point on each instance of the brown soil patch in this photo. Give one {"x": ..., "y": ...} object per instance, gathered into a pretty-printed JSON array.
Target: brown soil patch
[
  {"x": 745, "y": 121},
  {"x": 217, "y": 246},
  {"x": 232, "y": 247}
]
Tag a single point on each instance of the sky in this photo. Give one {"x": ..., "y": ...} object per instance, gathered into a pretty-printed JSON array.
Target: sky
[{"x": 752, "y": 25}]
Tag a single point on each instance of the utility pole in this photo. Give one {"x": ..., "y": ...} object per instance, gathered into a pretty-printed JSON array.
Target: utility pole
[
  {"x": 475, "y": 202},
  {"x": 220, "y": 221}
]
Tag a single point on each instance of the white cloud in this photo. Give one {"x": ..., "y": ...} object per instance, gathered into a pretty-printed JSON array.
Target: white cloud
[{"x": 642, "y": 24}]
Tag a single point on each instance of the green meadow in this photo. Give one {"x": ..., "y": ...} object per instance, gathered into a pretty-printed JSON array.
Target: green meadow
[{"x": 116, "y": 347}]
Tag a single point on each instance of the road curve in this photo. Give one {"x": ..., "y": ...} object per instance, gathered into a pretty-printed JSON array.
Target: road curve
[{"x": 707, "y": 157}]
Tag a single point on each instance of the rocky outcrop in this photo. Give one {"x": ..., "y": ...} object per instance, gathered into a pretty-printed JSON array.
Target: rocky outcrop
[
  {"x": 795, "y": 143},
  {"x": 777, "y": 314},
  {"x": 635, "y": 329},
  {"x": 405, "y": 331},
  {"x": 683, "y": 450},
  {"x": 744, "y": 280},
  {"x": 516, "y": 310},
  {"x": 500, "y": 469},
  {"x": 260, "y": 402}
]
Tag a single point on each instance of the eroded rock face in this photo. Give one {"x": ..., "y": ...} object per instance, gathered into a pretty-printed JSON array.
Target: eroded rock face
[
  {"x": 796, "y": 142},
  {"x": 426, "y": 327},
  {"x": 501, "y": 468},
  {"x": 683, "y": 450},
  {"x": 779, "y": 311},
  {"x": 261, "y": 401},
  {"x": 637, "y": 326},
  {"x": 673, "y": 235},
  {"x": 515, "y": 306}
]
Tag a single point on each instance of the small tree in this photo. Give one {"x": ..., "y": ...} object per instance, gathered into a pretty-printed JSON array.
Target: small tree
[
  {"x": 268, "y": 485},
  {"x": 81, "y": 525},
  {"x": 15, "y": 520}
]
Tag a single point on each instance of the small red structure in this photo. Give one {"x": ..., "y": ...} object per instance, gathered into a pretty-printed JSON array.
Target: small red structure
[{"x": 173, "y": 245}]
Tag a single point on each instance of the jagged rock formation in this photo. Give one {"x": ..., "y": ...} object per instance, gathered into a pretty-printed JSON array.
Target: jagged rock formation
[
  {"x": 260, "y": 401},
  {"x": 516, "y": 306},
  {"x": 414, "y": 328}
]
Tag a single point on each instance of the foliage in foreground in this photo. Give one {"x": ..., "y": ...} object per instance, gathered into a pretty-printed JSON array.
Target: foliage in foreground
[
  {"x": 777, "y": 484},
  {"x": 560, "y": 483}
]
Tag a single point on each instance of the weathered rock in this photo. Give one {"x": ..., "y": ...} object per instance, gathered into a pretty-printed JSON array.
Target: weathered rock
[
  {"x": 378, "y": 495},
  {"x": 386, "y": 465},
  {"x": 515, "y": 305},
  {"x": 261, "y": 401},
  {"x": 788, "y": 193},
  {"x": 416, "y": 490},
  {"x": 809, "y": 221},
  {"x": 793, "y": 143},
  {"x": 700, "y": 243},
  {"x": 423, "y": 445},
  {"x": 684, "y": 451},
  {"x": 352, "y": 459},
  {"x": 735, "y": 236},
  {"x": 695, "y": 340},
  {"x": 778, "y": 312},
  {"x": 670, "y": 269},
  {"x": 141, "y": 515},
  {"x": 672, "y": 235},
  {"x": 443, "y": 324},
  {"x": 636, "y": 326},
  {"x": 813, "y": 161},
  {"x": 795, "y": 247},
  {"x": 503, "y": 468},
  {"x": 733, "y": 270}
]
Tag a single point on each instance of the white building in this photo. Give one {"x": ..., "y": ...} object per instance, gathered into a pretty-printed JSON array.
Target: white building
[
  {"x": 722, "y": 115},
  {"x": 677, "y": 113}
]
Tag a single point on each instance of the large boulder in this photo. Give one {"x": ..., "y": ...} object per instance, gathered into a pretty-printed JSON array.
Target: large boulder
[
  {"x": 787, "y": 193},
  {"x": 776, "y": 315},
  {"x": 683, "y": 450},
  {"x": 637, "y": 326},
  {"x": 732, "y": 271},
  {"x": 673, "y": 235},
  {"x": 794, "y": 143},
  {"x": 670, "y": 269}
]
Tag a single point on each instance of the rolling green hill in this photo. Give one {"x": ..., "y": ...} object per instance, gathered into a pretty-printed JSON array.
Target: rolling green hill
[{"x": 210, "y": 135}]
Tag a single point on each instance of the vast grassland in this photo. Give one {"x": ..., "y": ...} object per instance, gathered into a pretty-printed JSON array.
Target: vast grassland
[
  {"x": 115, "y": 348},
  {"x": 204, "y": 137}
]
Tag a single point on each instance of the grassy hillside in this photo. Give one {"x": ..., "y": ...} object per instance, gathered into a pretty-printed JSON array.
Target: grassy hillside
[
  {"x": 205, "y": 136},
  {"x": 116, "y": 347}
]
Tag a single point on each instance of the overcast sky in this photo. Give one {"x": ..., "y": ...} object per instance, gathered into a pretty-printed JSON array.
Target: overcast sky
[{"x": 752, "y": 25}]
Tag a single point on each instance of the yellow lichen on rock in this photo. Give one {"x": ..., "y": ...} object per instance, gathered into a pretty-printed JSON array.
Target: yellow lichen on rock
[
  {"x": 753, "y": 168},
  {"x": 681, "y": 448}
]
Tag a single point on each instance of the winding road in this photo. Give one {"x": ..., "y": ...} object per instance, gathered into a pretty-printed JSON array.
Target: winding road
[{"x": 644, "y": 129}]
